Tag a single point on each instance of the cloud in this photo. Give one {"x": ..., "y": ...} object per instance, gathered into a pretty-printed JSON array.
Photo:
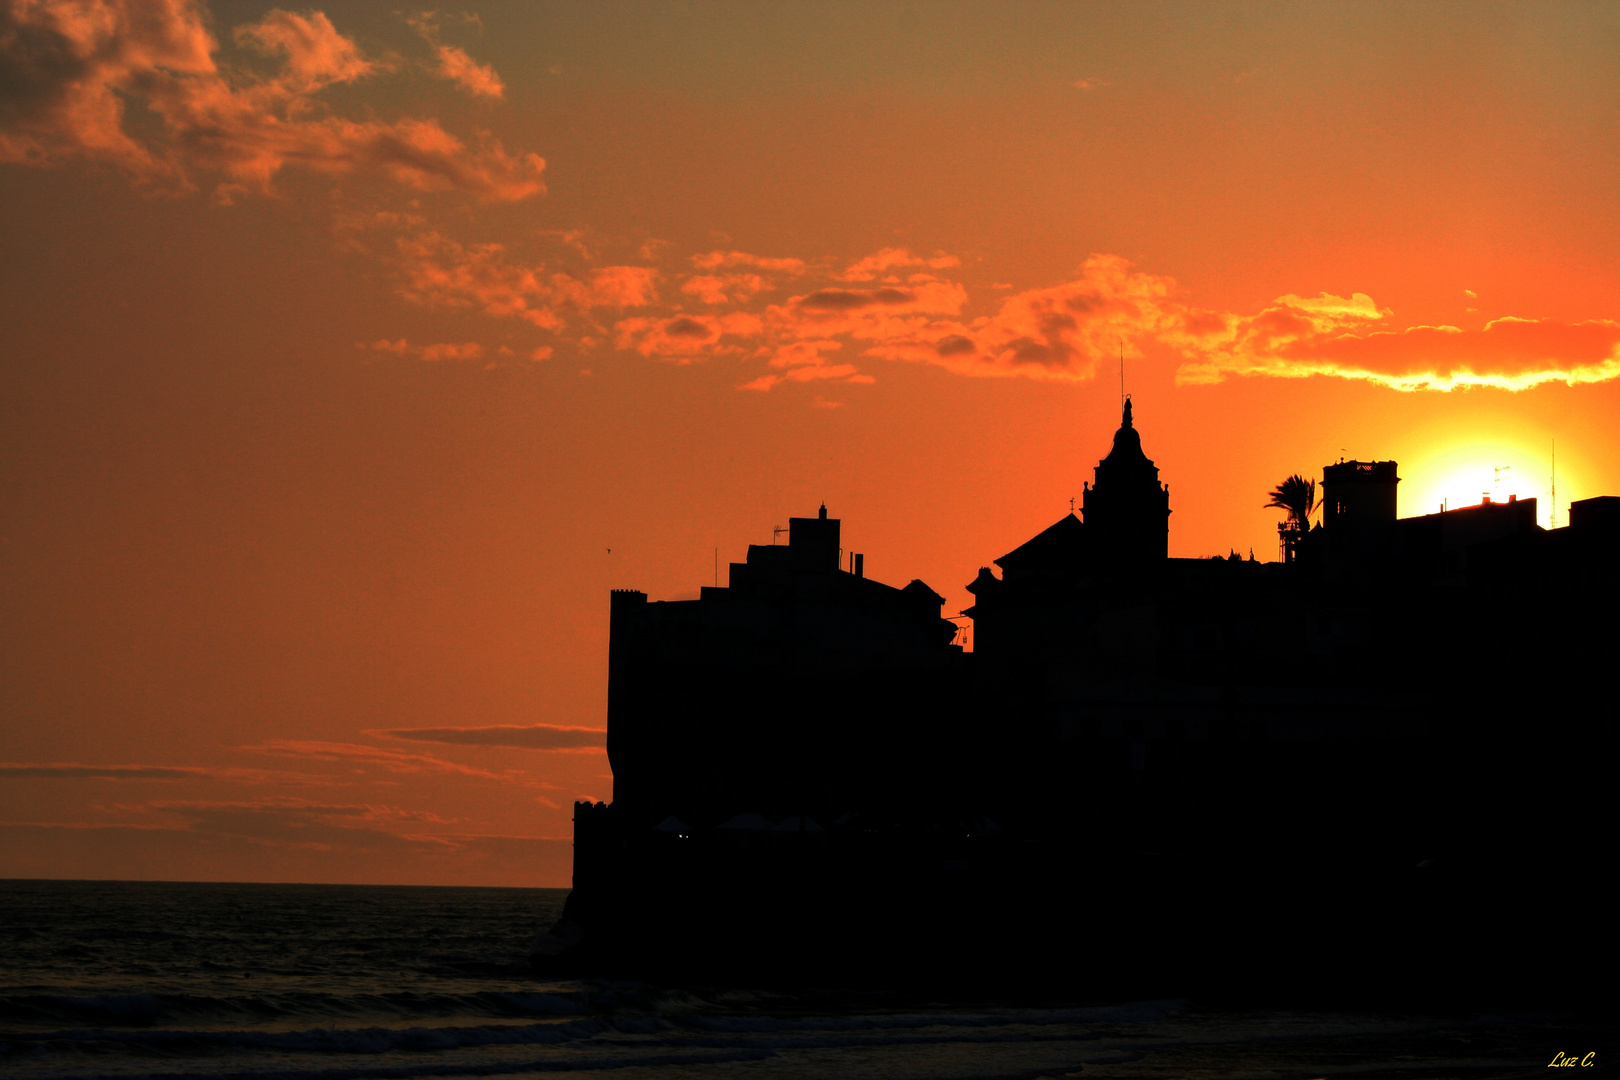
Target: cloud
[
  {"x": 530, "y": 737},
  {"x": 892, "y": 258},
  {"x": 305, "y": 825},
  {"x": 723, "y": 288},
  {"x": 888, "y": 314},
  {"x": 714, "y": 260},
  {"x": 811, "y": 373},
  {"x": 392, "y": 760},
  {"x": 804, "y": 363},
  {"x": 479, "y": 80},
  {"x": 684, "y": 338},
  {"x": 1507, "y": 353},
  {"x": 465, "y": 350},
  {"x": 1065, "y": 332},
  {"x": 68, "y": 771},
  {"x": 292, "y": 822},
  {"x": 78, "y": 771},
  {"x": 617, "y": 286},
  {"x": 70, "y": 67},
  {"x": 440, "y": 272},
  {"x": 1330, "y": 311},
  {"x": 316, "y": 54},
  {"x": 255, "y": 842},
  {"x": 1059, "y": 332},
  {"x": 437, "y": 271},
  {"x": 454, "y": 65},
  {"x": 797, "y": 353},
  {"x": 362, "y": 812}
]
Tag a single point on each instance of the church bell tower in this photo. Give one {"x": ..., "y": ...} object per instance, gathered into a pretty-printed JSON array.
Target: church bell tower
[{"x": 1126, "y": 509}]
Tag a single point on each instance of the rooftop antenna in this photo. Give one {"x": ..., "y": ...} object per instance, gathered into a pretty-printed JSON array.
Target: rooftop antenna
[
  {"x": 1496, "y": 481},
  {"x": 1552, "y": 511}
]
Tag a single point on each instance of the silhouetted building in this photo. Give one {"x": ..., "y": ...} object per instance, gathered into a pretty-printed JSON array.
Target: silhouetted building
[
  {"x": 1436, "y": 546},
  {"x": 1184, "y": 727},
  {"x": 1127, "y": 510},
  {"x": 1358, "y": 507},
  {"x": 749, "y": 699},
  {"x": 1183, "y": 700}
]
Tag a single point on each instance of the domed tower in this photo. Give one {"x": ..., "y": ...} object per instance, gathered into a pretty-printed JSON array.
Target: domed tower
[{"x": 1126, "y": 509}]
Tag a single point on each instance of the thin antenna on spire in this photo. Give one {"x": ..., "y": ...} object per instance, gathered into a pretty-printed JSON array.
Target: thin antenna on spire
[{"x": 1121, "y": 371}]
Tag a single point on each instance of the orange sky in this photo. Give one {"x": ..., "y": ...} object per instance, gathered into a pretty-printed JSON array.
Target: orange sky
[{"x": 341, "y": 345}]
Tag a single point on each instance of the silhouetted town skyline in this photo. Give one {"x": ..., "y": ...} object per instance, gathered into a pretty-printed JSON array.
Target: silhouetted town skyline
[{"x": 1222, "y": 713}]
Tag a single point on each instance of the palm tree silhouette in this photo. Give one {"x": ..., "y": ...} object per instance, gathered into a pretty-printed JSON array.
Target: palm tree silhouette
[{"x": 1297, "y": 495}]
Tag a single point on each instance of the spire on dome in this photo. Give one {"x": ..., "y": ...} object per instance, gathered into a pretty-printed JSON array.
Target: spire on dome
[{"x": 1126, "y": 509}]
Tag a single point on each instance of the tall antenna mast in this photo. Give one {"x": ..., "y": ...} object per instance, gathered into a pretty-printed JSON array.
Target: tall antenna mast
[
  {"x": 1121, "y": 371},
  {"x": 1552, "y": 511}
]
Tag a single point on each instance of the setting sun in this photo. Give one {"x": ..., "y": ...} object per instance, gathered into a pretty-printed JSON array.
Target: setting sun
[{"x": 1465, "y": 474}]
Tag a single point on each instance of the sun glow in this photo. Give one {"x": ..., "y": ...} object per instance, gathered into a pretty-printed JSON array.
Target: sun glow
[{"x": 1465, "y": 474}]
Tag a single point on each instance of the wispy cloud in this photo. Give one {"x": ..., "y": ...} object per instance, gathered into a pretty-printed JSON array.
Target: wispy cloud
[
  {"x": 72, "y": 67},
  {"x": 890, "y": 259},
  {"x": 367, "y": 813},
  {"x": 1063, "y": 332},
  {"x": 479, "y": 80},
  {"x": 528, "y": 737},
  {"x": 452, "y": 63},
  {"x": 78, "y": 771},
  {"x": 393, "y": 760},
  {"x": 437, "y": 271},
  {"x": 714, "y": 260},
  {"x": 300, "y": 823},
  {"x": 70, "y": 771},
  {"x": 449, "y": 350},
  {"x": 75, "y": 73},
  {"x": 684, "y": 338},
  {"x": 724, "y": 288}
]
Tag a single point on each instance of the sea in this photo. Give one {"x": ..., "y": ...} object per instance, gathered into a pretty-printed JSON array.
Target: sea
[{"x": 157, "y": 979}]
